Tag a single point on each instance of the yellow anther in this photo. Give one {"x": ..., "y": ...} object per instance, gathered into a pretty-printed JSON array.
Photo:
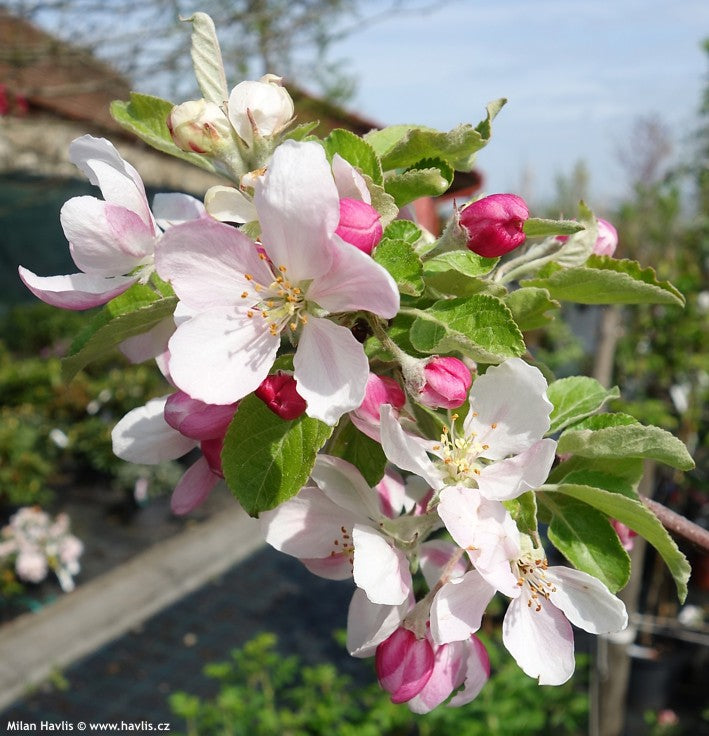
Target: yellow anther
[
  {"x": 249, "y": 314},
  {"x": 244, "y": 294},
  {"x": 262, "y": 256},
  {"x": 282, "y": 269},
  {"x": 493, "y": 425},
  {"x": 248, "y": 277},
  {"x": 293, "y": 326}
]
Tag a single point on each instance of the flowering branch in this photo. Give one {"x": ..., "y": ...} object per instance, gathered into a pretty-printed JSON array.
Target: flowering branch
[{"x": 678, "y": 524}]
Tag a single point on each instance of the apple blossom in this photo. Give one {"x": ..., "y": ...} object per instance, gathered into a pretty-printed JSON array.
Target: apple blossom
[
  {"x": 447, "y": 382},
  {"x": 259, "y": 109},
  {"x": 244, "y": 298},
  {"x": 404, "y": 664},
  {"x": 379, "y": 390},
  {"x": 359, "y": 225},
  {"x": 495, "y": 224},
  {"x": 280, "y": 394},
  {"x": 607, "y": 240},
  {"x": 199, "y": 126}
]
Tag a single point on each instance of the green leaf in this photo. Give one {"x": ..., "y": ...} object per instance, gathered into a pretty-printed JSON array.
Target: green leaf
[
  {"x": 401, "y": 146},
  {"x": 601, "y": 421},
  {"x": 382, "y": 202},
  {"x": 207, "y": 59},
  {"x": 576, "y": 398},
  {"x": 405, "y": 267},
  {"x": 585, "y": 537},
  {"x": 123, "y": 317},
  {"x": 428, "y": 178},
  {"x": 633, "y": 514},
  {"x": 146, "y": 116},
  {"x": 536, "y": 227},
  {"x": 630, "y": 440},
  {"x": 403, "y": 230},
  {"x": 605, "y": 280},
  {"x": 455, "y": 273},
  {"x": 364, "y": 453},
  {"x": 267, "y": 460},
  {"x": 354, "y": 150},
  {"x": 617, "y": 475},
  {"x": 463, "y": 261},
  {"x": 523, "y": 510},
  {"x": 529, "y": 307},
  {"x": 480, "y": 327},
  {"x": 300, "y": 132}
]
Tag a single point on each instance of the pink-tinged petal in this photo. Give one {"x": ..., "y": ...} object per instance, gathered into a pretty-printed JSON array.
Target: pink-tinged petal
[
  {"x": 143, "y": 436},
  {"x": 391, "y": 492},
  {"x": 434, "y": 556},
  {"x": 458, "y": 607},
  {"x": 298, "y": 209},
  {"x": 477, "y": 673},
  {"x": 344, "y": 485},
  {"x": 104, "y": 239},
  {"x": 174, "y": 208},
  {"x": 119, "y": 182},
  {"x": 369, "y": 624},
  {"x": 509, "y": 409},
  {"x": 150, "y": 344},
  {"x": 75, "y": 291},
  {"x": 336, "y": 567},
  {"x": 308, "y": 526},
  {"x": 207, "y": 262},
  {"x": 404, "y": 664},
  {"x": 196, "y": 419},
  {"x": 193, "y": 488},
  {"x": 331, "y": 370},
  {"x": 221, "y": 355},
  {"x": 228, "y": 204},
  {"x": 404, "y": 451},
  {"x": 448, "y": 673},
  {"x": 586, "y": 601},
  {"x": 349, "y": 182},
  {"x": 541, "y": 641},
  {"x": 509, "y": 478},
  {"x": 355, "y": 282},
  {"x": 379, "y": 569}
]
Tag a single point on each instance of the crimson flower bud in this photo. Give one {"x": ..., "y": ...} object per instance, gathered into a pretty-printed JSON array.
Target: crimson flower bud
[
  {"x": 281, "y": 396},
  {"x": 404, "y": 664},
  {"x": 199, "y": 126},
  {"x": 212, "y": 451},
  {"x": 448, "y": 381},
  {"x": 495, "y": 224},
  {"x": 359, "y": 225},
  {"x": 607, "y": 239}
]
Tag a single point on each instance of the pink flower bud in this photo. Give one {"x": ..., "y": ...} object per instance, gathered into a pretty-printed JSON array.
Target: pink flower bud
[
  {"x": 212, "y": 451},
  {"x": 607, "y": 239},
  {"x": 625, "y": 534},
  {"x": 360, "y": 224},
  {"x": 495, "y": 224},
  {"x": 281, "y": 396},
  {"x": 195, "y": 419},
  {"x": 199, "y": 126},
  {"x": 448, "y": 381},
  {"x": 404, "y": 664},
  {"x": 380, "y": 390}
]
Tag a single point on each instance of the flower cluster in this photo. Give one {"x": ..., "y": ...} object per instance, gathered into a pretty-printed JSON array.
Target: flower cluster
[
  {"x": 36, "y": 543},
  {"x": 359, "y": 384}
]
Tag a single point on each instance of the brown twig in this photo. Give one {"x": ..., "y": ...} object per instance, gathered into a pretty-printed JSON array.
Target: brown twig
[{"x": 678, "y": 524}]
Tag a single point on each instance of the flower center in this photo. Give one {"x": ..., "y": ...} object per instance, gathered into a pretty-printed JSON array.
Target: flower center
[
  {"x": 460, "y": 455},
  {"x": 281, "y": 303},
  {"x": 343, "y": 547},
  {"x": 531, "y": 577}
]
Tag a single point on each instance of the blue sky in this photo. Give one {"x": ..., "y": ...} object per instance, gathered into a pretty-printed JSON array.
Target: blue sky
[{"x": 577, "y": 74}]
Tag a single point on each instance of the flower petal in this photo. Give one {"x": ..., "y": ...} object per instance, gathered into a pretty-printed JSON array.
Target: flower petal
[
  {"x": 448, "y": 673},
  {"x": 349, "y": 182},
  {"x": 228, "y": 204},
  {"x": 193, "y": 488},
  {"x": 586, "y": 601},
  {"x": 298, "y": 209},
  {"x": 369, "y": 624},
  {"x": 75, "y": 291},
  {"x": 477, "y": 673},
  {"x": 434, "y": 556},
  {"x": 143, "y": 436},
  {"x": 541, "y": 641},
  {"x": 207, "y": 262},
  {"x": 379, "y": 569},
  {"x": 355, "y": 281},
  {"x": 344, "y": 485},
  {"x": 458, "y": 608},
  {"x": 150, "y": 344},
  {"x": 510, "y": 478},
  {"x": 221, "y": 355},
  {"x": 174, "y": 208},
  {"x": 330, "y": 369},
  {"x": 509, "y": 409}
]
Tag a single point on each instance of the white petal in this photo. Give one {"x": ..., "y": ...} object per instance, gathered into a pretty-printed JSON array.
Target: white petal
[
  {"x": 150, "y": 344},
  {"x": 541, "y": 641},
  {"x": 369, "y": 624},
  {"x": 228, "y": 204},
  {"x": 355, "y": 281},
  {"x": 434, "y": 556},
  {"x": 349, "y": 182},
  {"x": 344, "y": 485},
  {"x": 330, "y": 369},
  {"x": 335, "y": 567},
  {"x": 510, "y": 478},
  {"x": 221, "y": 355},
  {"x": 512, "y": 396},
  {"x": 75, "y": 291},
  {"x": 193, "y": 488},
  {"x": 143, "y": 436},
  {"x": 477, "y": 673},
  {"x": 402, "y": 450},
  {"x": 206, "y": 262},
  {"x": 298, "y": 209},
  {"x": 458, "y": 608},
  {"x": 173, "y": 208},
  {"x": 586, "y": 601},
  {"x": 270, "y": 106},
  {"x": 379, "y": 569}
]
